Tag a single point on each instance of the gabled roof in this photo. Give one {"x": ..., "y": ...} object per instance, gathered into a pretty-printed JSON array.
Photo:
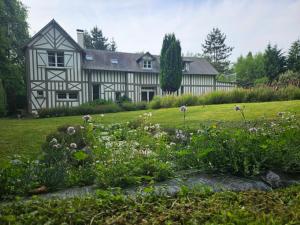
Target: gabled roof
[
  {"x": 146, "y": 54},
  {"x": 101, "y": 60},
  {"x": 54, "y": 24}
]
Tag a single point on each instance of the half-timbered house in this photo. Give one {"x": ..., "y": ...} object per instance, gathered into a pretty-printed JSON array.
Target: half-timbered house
[{"x": 61, "y": 72}]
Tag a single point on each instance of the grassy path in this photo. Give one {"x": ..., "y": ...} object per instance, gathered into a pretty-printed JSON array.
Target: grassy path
[{"x": 25, "y": 136}]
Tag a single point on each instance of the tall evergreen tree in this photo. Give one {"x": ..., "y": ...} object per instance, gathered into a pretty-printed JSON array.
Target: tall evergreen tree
[
  {"x": 274, "y": 62},
  {"x": 96, "y": 40},
  {"x": 293, "y": 59},
  {"x": 170, "y": 76},
  {"x": 216, "y": 51},
  {"x": 13, "y": 34}
]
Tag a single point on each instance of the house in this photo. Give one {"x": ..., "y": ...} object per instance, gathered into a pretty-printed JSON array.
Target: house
[{"x": 61, "y": 72}]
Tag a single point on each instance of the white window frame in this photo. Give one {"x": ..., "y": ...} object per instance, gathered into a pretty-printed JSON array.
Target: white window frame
[
  {"x": 56, "y": 64},
  {"x": 147, "y": 64},
  {"x": 67, "y": 96}
]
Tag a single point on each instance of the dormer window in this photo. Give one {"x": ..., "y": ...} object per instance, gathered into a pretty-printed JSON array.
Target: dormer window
[
  {"x": 186, "y": 66},
  {"x": 114, "y": 61},
  {"x": 147, "y": 64},
  {"x": 56, "y": 59}
]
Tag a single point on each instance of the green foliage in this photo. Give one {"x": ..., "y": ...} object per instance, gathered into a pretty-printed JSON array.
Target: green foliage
[
  {"x": 250, "y": 68},
  {"x": 216, "y": 51},
  {"x": 2, "y": 100},
  {"x": 13, "y": 34},
  {"x": 79, "y": 110},
  {"x": 293, "y": 59},
  {"x": 288, "y": 78},
  {"x": 275, "y": 62},
  {"x": 170, "y": 64},
  {"x": 198, "y": 206},
  {"x": 258, "y": 94},
  {"x": 250, "y": 150},
  {"x": 96, "y": 40}
]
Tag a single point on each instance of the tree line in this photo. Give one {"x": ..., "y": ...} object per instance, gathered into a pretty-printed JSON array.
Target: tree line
[{"x": 269, "y": 67}]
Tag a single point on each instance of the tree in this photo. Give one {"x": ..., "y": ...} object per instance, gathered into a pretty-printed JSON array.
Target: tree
[
  {"x": 112, "y": 45},
  {"x": 170, "y": 64},
  {"x": 216, "y": 51},
  {"x": 293, "y": 59},
  {"x": 96, "y": 40},
  {"x": 249, "y": 69},
  {"x": 13, "y": 34},
  {"x": 274, "y": 62}
]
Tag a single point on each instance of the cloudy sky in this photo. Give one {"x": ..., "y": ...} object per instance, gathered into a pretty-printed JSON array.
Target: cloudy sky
[{"x": 139, "y": 25}]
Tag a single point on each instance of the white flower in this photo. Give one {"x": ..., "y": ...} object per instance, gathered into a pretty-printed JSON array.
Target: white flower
[
  {"x": 57, "y": 146},
  {"x": 86, "y": 118},
  {"x": 102, "y": 115},
  {"x": 183, "y": 108},
  {"x": 71, "y": 130},
  {"x": 53, "y": 141},
  {"x": 253, "y": 130},
  {"x": 73, "y": 145},
  {"x": 172, "y": 143}
]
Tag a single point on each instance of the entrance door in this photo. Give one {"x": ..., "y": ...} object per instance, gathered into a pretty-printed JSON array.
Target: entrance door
[{"x": 147, "y": 93}]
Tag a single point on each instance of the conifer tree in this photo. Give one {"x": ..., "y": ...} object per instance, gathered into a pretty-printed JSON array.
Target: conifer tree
[
  {"x": 293, "y": 59},
  {"x": 216, "y": 51},
  {"x": 170, "y": 64}
]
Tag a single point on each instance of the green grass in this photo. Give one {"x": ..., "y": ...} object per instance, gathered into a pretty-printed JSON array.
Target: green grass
[{"x": 25, "y": 136}]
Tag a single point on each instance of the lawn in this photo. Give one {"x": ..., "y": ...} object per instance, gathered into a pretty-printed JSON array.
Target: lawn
[{"x": 26, "y": 135}]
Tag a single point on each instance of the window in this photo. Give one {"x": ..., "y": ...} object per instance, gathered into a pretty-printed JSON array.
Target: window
[
  {"x": 73, "y": 95},
  {"x": 51, "y": 58},
  {"x": 96, "y": 93},
  {"x": 56, "y": 59},
  {"x": 147, "y": 93},
  {"x": 118, "y": 96},
  {"x": 40, "y": 94},
  {"x": 67, "y": 96},
  {"x": 114, "y": 61},
  {"x": 147, "y": 64},
  {"x": 186, "y": 66}
]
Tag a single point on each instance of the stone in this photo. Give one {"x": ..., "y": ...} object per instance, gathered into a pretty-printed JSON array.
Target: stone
[{"x": 272, "y": 179}]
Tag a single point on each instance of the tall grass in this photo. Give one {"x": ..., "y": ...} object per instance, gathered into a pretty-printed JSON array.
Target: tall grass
[{"x": 238, "y": 95}]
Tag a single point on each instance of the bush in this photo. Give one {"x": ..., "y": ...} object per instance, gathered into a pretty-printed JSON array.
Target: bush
[
  {"x": 80, "y": 110},
  {"x": 238, "y": 95},
  {"x": 133, "y": 106}
]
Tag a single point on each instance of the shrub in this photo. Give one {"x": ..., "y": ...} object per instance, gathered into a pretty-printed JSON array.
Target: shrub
[
  {"x": 238, "y": 95},
  {"x": 80, "y": 110},
  {"x": 133, "y": 106}
]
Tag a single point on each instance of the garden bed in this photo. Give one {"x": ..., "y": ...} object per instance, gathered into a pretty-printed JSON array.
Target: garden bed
[{"x": 142, "y": 153}]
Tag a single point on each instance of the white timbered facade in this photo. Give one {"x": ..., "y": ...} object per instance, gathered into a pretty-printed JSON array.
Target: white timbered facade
[{"x": 60, "y": 72}]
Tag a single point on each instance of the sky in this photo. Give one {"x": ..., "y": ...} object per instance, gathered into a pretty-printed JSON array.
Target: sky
[{"x": 140, "y": 25}]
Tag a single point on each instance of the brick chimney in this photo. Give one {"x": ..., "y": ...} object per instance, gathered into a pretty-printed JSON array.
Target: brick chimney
[{"x": 80, "y": 39}]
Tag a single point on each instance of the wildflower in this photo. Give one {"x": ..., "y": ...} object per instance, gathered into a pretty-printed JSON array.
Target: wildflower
[
  {"x": 73, "y": 145},
  {"x": 102, "y": 115},
  {"x": 280, "y": 113},
  {"x": 86, "y": 118},
  {"x": 253, "y": 130},
  {"x": 57, "y": 146},
  {"x": 53, "y": 141},
  {"x": 183, "y": 108},
  {"x": 71, "y": 130},
  {"x": 273, "y": 124},
  {"x": 180, "y": 135},
  {"x": 172, "y": 143}
]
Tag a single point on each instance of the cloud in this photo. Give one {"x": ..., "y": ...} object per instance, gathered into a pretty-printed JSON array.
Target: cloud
[{"x": 140, "y": 25}]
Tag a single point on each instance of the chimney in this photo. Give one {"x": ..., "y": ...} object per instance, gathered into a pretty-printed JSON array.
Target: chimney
[{"x": 80, "y": 39}]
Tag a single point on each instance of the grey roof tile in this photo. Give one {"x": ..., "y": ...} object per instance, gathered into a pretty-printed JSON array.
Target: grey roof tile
[{"x": 128, "y": 62}]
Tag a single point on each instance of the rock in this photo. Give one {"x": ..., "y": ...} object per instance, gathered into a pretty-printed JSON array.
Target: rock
[
  {"x": 41, "y": 190},
  {"x": 272, "y": 179}
]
